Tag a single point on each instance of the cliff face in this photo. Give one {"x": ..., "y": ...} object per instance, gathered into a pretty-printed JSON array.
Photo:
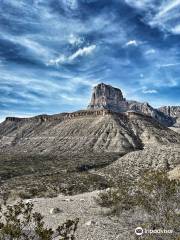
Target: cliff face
[
  {"x": 172, "y": 111},
  {"x": 107, "y": 97}
]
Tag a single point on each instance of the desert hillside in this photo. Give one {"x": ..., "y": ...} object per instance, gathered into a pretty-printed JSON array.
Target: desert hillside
[{"x": 94, "y": 164}]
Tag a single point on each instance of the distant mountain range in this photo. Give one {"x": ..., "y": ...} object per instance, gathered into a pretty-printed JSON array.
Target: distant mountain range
[{"x": 110, "y": 124}]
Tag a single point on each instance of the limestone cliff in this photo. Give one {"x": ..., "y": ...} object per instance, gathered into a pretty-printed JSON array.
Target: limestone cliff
[
  {"x": 107, "y": 97},
  {"x": 172, "y": 111}
]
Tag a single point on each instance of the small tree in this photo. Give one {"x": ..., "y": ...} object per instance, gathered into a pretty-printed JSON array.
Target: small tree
[{"x": 20, "y": 222}]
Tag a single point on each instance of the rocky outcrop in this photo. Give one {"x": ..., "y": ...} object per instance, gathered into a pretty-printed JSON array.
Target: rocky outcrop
[
  {"x": 147, "y": 109},
  {"x": 172, "y": 111},
  {"x": 107, "y": 97},
  {"x": 62, "y": 116}
]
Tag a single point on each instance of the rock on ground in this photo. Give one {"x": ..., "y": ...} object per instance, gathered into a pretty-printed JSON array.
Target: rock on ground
[{"x": 93, "y": 225}]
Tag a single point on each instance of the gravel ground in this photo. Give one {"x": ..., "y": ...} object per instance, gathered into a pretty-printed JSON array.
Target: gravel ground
[{"x": 93, "y": 225}]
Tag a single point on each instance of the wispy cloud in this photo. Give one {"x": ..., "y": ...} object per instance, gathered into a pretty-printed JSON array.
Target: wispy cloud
[
  {"x": 53, "y": 52},
  {"x": 75, "y": 40},
  {"x": 82, "y": 52},
  {"x": 176, "y": 29},
  {"x": 167, "y": 65},
  {"x": 132, "y": 43},
  {"x": 85, "y": 51},
  {"x": 150, "y": 51},
  {"x": 163, "y": 14},
  {"x": 149, "y": 91}
]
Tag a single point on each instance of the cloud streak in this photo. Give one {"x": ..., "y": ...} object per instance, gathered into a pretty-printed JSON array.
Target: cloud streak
[
  {"x": 85, "y": 51},
  {"x": 165, "y": 14},
  {"x": 53, "y": 52}
]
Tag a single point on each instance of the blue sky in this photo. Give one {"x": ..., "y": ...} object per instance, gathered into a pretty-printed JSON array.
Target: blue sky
[{"x": 53, "y": 52}]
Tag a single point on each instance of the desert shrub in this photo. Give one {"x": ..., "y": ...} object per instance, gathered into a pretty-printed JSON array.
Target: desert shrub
[
  {"x": 153, "y": 193},
  {"x": 119, "y": 197},
  {"x": 20, "y": 222},
  {"x": 159, "y": 197}
]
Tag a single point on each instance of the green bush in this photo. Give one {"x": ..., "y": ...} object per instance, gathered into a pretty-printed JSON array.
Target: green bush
[
  {"x": 153, "y": 193},
  {"x": 20, "y": 222},
  {"x": 159, "y": 197},
  {"x": 119, "y": 197}
]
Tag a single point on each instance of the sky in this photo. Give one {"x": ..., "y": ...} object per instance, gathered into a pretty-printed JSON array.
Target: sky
[{"x": 53, "y": 52}]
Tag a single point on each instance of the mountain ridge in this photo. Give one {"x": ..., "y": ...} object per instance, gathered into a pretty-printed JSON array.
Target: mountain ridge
[
  {"x": 107, "y": 97},
  {"x": 111, "y": 98},
  {"x": 102, "y": 127}
]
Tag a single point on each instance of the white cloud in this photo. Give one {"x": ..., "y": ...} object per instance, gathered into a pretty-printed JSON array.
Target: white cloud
[
  {"x": 132, "y": 43},
  {"x": 85, "y": 51},
  {"x": 166, "y": 7},
  {"x": 140, "y": 4},
  {"x": 168, "y": 65},
  {"x": 176, "y": 29},
  {"x": 32, "y": 46},
  {"x": 82, "y": 52},
  {"x": 165, "y": 14},
  {"x": 70, "y": 4},
  {"x": 75, "y": 40},
  {"x": 150, "y": 51},
  {"x": 149, "y": 91},
  {"x": 57, "y": 61}
]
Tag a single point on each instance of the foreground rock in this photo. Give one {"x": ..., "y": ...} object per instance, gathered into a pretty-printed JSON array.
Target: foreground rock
[
  {"x": 93, "y": 224},
  {"x": 175, "y": 173}
]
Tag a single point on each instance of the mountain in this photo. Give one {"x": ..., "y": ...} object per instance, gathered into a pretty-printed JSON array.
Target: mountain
[
  {"x": 62, "y": 160},
  {"x": 172, "y": 111},
  {"x": 107, "y": 97},
  {"x": 83, "y": 131},
  {"x": 110, "y": 124}
]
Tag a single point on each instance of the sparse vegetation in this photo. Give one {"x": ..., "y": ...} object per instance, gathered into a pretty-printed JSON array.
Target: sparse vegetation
[
  {"x": 28, "y": 176},
  {"x": 153, "y": 193},
  {"x": 20, "y": 222}
]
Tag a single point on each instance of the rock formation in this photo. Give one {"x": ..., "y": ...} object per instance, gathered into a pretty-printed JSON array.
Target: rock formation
[
  {"x": 110, "y": 124},
  {"x": 107, "y": 97},
  {"x": 172, "y": 111}
]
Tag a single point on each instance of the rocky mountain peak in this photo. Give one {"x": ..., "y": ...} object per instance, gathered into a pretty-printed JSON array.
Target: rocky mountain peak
[{"x": 106, "y": 96}]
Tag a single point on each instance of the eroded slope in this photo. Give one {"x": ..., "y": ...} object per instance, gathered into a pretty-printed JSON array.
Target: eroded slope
[{"x": 102, "y": 132}]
